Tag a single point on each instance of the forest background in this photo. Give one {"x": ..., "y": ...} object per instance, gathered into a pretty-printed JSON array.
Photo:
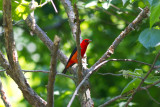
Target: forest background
[{"x": 100, "y": 21}]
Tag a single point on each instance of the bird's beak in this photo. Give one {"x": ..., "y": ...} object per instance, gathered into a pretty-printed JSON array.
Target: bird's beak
[{"x": 90, "y": 41}]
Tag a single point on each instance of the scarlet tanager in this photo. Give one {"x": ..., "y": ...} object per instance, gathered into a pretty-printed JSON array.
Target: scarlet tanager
[{"x": 73, "y": 57}]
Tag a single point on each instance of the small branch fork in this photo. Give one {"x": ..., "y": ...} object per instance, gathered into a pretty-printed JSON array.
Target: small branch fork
[{"x": 52, "y": 73}]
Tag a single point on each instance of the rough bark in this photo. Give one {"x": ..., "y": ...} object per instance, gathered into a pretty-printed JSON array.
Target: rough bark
[
  {"x": 52, "y": 73},
  {"x": 14, "y": 69}
]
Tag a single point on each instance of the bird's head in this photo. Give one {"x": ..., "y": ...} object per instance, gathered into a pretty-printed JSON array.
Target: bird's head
[{"x": 86, "y": 41}]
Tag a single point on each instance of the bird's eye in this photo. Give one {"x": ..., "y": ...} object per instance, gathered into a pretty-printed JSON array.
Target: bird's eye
[{"x": 85, "y": 40}]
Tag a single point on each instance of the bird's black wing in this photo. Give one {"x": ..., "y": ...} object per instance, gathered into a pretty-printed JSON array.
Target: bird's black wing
[{"x": 73, "y": 52}]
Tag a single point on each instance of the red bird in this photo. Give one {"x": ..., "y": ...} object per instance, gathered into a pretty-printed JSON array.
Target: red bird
[{"x": 73, "y": 57}]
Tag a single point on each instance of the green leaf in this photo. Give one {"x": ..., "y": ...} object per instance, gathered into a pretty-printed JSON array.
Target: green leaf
[
  {"x": 154, "y": 17},
  {"x": 124, "y": 2},
  {"x": 150, "y": 38},
  {"x": 20, "y": 9},
  {"x": 152, "y": 79},
  {"x": 131, "y": 85},
  {"x": 139, "y": 72}
]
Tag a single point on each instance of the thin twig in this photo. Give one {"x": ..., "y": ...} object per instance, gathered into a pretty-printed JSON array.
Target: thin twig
[
  {"x": 151, "y": 97},
  {"x": 52, "y": 73},
  {"x": 110, "y": 74},
  {"x": 133, "y": 76},
  {"x": 3, "y": 96},
  {"x": 41, "y": 5},
  {"x": 54, "y": 6},
  {"x": 152, "y": 67},
  {"x": 129, "y": 60},
  {"x": 45, "y": 71},
  {"x": 112, "y": 100}
]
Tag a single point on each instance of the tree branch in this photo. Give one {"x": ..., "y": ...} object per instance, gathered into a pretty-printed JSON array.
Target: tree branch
[
  {"x": 80, "y": 75},
  {"x": 110, "y": 51},
  {"x": 54, "y": 6},
  {"x": 126, "y": 60},
  {"x": 117, "y": 41},
  {"x": 135, "y": 91},
  {"x": 14, "y": 69},
  {"x": 52, "y": 73},
  {"x": 44, "y": 71},
  {"x": 3, "y": 96},
  {"x": 71, "y": 15},
  {"x": 45, "y": 39}
]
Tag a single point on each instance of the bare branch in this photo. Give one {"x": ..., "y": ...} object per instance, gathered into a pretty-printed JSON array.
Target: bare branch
[
  {"x": 128, "y": 60},
  {"x": 14, "y": 69},
  {"x": 117, "y": 41},
  {"x": 52, "y": 73},
  {"x": 135, "y": 91},
  {"x": 3, "y": 62},
  {"x": 2, "y": 70},
  {"x": 41, "y": 5},
  {"x": 133, "y": 76},
  {"x": 71, "y": 15},
  {"x": 45, "y": 71},
  {"x": 54, "y": 6},
  {"x": 45, "y": 39},
  {"x": 80, "y": 75},
  {"x": 3, "y": 96},
  {"x": 112, "y": 100}
]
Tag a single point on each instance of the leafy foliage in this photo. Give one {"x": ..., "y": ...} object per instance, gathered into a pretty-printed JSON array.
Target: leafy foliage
[{"x": 131, "y": 85}]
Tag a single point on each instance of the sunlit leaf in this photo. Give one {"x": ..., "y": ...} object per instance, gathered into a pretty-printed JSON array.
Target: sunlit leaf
[
  {"x": 150, "y": 38},
  {"x": 139, "y": 72},
  {"x": 131, "y": 85},
  {"x": 90, "y": 4},
  {"x": 127, "y": 73}
]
